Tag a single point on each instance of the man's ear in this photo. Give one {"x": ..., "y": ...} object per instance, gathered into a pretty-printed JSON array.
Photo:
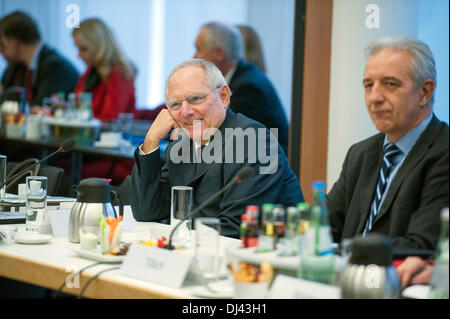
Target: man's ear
[
  {"x": 225, "y": 94},
  {"x": 219, "y": 54},
  {"x": 426, "y": 92}
]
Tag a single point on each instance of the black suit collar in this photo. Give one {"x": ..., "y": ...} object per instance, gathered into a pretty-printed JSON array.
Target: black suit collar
[{"x": 418, "y": 151}]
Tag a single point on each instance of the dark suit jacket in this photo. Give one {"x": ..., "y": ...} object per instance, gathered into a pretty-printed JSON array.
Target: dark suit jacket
[
  {"x": 54, "y": 74},
  {"x": 152, "y": 181},
  {"x": 410, "y": 213},
  {"x": 254, "y": 96}
]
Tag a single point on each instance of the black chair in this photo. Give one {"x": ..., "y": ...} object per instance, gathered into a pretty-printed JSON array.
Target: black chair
[
  {"x": 124, "y": 191},
  {"x": 54, "y": 175},
  {"x": 14, "y": 168}
]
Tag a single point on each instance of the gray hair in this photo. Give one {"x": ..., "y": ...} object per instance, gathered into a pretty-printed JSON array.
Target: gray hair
[
  {"x": 213, "y": 76},
  {"x": 422, "y": 61},
  {"x": 225, "y": 36}
]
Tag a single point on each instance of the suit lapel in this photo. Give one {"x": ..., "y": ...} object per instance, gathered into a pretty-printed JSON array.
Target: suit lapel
[
  {"x": 418, "y": 151},
  {"x": 369, "y": 178}
]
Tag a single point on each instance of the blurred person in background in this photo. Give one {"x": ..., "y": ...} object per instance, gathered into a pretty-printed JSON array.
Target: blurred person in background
[
  {"x": 252, "y": 93},
  {"x": 253, "y": 52},
  {"x": 32, "y": 64},
  {"x": 110, "y": 78},
  {"x": 109, "y": 75}
]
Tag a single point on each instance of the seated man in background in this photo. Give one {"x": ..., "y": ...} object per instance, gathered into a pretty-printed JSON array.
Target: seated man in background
[
  {"x": 396, "y": 182},
  {"x": 252, "y": 93},
  {"x": 31, "y": 63},
  {"x": 203, "y": 156}
]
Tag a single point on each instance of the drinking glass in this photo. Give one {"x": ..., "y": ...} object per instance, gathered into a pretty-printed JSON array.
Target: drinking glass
[
  {"x": 2, "y": 175},
  {"x": 207, "y": 246},
  {"x": 36, "y": 202},
  {"x": 126, "y": 122},
  {"x": 89, "y": 237},
  {"x": 180, "y": 208}
]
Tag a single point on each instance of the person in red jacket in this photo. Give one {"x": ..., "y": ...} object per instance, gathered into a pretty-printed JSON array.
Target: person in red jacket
[
  {"x": 110, "y": 79},
  {"x": 109, "y": 75}
]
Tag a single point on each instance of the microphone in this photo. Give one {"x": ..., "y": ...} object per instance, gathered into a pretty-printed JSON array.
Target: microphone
[
  {"x": 65, "y": 146},
  {"x": 243, "y": 174}
]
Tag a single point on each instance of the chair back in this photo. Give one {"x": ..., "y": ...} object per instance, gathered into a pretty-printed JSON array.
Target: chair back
[
  {"x": 54, "y": 177},
  {"x": 14, "y": 168},
  {"x": 124, "y": 191}
]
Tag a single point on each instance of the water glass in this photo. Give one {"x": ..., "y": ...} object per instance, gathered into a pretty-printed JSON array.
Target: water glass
[
  {"x": 36, "y": 202},
  {"x": 180, "y": 208},
  {"x": 207, "y": 247},
  {"x": 89, "y": 237},
  {"x": 126, "y": 123},
  {"x": 2, "y": 175}
]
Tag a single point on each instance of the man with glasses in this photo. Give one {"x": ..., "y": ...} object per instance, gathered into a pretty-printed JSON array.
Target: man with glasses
[
  {"x": 198, "y": 117},
  {"x": 396, "y": 182}
]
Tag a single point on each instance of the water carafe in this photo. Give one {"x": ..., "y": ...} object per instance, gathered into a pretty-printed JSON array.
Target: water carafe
[{"x": 93, "y": 200}]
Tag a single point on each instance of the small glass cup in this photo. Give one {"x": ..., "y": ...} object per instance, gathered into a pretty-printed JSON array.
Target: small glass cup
[
  {"x": 36, "y": 202},
  {"x": 180, "y": 209},
  {"x": 89, "y": 237},
  {"x": 207, "y": 247},
  {"x": 3, "y": 159}
]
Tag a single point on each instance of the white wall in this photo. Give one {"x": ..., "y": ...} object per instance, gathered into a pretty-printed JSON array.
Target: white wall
[{"x": 348, "y": 118}]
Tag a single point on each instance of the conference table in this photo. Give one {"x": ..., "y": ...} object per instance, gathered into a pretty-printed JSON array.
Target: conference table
[{"x": 49, "y": 265}]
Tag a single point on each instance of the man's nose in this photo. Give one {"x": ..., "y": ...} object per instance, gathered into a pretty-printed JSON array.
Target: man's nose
[
  {"x": 186, "y": 109},
  {"x": 376, "y": 95}
]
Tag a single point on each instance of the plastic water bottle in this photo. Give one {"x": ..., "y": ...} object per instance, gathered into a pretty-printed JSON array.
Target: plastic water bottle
[
  {"x": 439, "y": 279},
  {"x": 317, "y": 258}
]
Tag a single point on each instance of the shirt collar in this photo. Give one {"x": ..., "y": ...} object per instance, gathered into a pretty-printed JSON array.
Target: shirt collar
[
  {"x": 230, "y": 74},
  {"x": 407, "y": 141},
  {"x": 34, "y": 60}
]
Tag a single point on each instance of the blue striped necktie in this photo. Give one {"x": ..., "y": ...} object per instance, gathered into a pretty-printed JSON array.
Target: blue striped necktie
[{"x": 390, "y": 151}]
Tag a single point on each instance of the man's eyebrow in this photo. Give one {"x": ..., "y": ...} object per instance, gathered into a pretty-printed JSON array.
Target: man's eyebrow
[{"x": 390, "y": 78}]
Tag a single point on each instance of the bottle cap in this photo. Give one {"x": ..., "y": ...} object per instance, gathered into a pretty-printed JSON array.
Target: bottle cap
[
  {"x": 302, "y": 206},
  {"x": 319, "y": 185},
  {"x": 244, "y": 217},
  {"x": 266, "y": 207},
  {"x": 373, "y": 249},
  {"x": 252, "y": 208}
]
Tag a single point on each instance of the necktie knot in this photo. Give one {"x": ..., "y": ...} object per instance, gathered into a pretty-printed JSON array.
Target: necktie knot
[{"x": 390, "y": 151}]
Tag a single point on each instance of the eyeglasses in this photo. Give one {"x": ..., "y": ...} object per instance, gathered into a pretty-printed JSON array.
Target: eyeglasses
[{"x": 193, "y": 99}]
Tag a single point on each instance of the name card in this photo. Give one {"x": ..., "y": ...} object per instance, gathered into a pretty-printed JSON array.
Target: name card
[
  {"x": 128, "y": 221},
  {"x": 285, "y": 287},
  {"x": 157, "y": 265},
  {"x": 59, "y": 220}
]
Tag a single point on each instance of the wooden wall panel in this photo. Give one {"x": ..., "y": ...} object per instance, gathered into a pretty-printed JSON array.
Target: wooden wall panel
[{"x": 315, "y": 100}]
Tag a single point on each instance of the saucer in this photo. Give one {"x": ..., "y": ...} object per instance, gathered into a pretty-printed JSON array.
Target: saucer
[
  {"x": 106, "y": 145},
  {"x": 99, "y": 257},
  {"x": 32, "y": 238}
]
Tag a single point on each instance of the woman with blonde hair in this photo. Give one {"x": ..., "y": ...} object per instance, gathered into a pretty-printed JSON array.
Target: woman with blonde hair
[
  {"x": 109, "y": 75},
  {"x": 253, "y": 52}
]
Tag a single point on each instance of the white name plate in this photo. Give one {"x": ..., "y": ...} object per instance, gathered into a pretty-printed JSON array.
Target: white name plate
[
  {"x": 285, "y": 287},
  {"x": 59, "y": 220},
  {"x": 157, "y": 265}
]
